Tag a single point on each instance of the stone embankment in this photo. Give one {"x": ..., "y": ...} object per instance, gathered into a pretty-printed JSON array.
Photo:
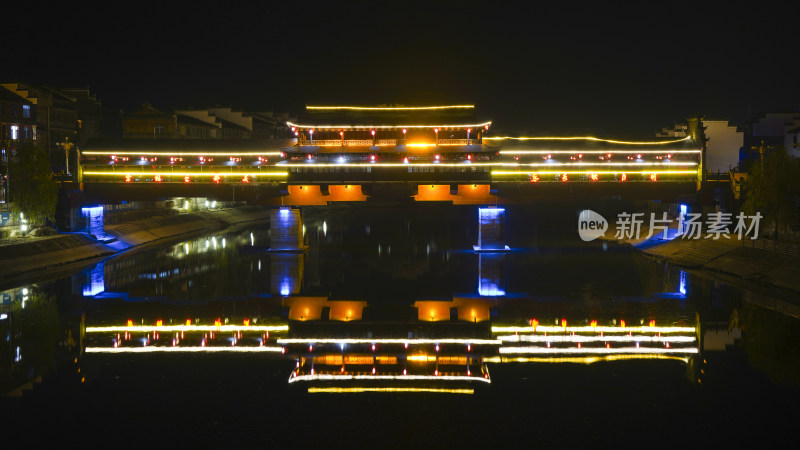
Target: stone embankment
[
  {"x": 729, "y": 259},
  {"x": 21, "y": 258}
]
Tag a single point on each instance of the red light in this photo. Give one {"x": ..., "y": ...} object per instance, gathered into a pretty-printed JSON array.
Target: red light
[
  {"x": 564, "y": 323},
  {"x": 187, "y": 179},
  {"x": 216, "y": 178},
  {"x": 639, "y": 156},
  {"x": 157, "y": 178},
  {"x": 436, "y": 156},
  {"x": 373, "y": 347},
  {"x": 159, "y": 322},
  {"x": 469, "y": 130},
  {"x": 534, "y": 178},
  {"x": 130, "y": 322},
  {"x": 653, "y": 177},
  {"x": 622, "y": 322},
  {"x": 246, "y": 179},
  {"x": 294, "y": 129},
  {"x": 373, "y": 132},
  {"x": 247, "y": 322},
  {"x": 624, "y": 177},
  {"x": 580, "y": 155},
  {"x": 609, "y": 155},
  {"x": 594, "y": 177},
  {"x": 372, "y": 157},
  {"x": 652, "y": 323},
  {"x": 405, "y": 160},
  {"x": 128, "y": 178},
  {"x": 469, "y": 157},
  {"x": 404, "y": 131},
  {"x": 564, "y": 177}
]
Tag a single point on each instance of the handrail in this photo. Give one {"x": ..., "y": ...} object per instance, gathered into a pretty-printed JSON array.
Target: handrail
[{"x": 785, "y": 248}]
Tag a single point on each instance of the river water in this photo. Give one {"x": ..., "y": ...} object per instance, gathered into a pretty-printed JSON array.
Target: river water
[{"x": 391, "y": 331}]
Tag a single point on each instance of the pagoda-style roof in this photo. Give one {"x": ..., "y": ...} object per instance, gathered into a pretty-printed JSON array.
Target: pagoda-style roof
[{"x": 389, "y": 117}]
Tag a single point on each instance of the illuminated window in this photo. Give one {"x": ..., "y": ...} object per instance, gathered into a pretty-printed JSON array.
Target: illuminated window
[
  {"x": 26, "y": 111},
  {"x": 14, "y": 132}
]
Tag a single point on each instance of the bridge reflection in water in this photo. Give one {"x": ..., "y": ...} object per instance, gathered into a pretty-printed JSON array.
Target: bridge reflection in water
[{"x": 347, "y": 346}]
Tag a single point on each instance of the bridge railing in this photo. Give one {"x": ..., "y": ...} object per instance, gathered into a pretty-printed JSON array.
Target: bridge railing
[
  {"x": 378, "y": 142},
  {"x": 784, "y": 248}
]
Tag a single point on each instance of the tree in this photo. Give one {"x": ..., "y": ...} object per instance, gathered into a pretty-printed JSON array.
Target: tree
[
  {"x": 772, "y": 188},
  {"x": 32, "y": 189}
]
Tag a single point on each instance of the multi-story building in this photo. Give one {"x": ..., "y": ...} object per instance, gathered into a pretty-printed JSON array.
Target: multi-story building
[
  {"x": 216, "y": 122},
  {"x": 148, "y": 122},
  {"x": 770, "y": 131},
  {"x": 18, "y": 116},
  {"x": 18, "y": 122},
  {"x": 57, "y": 114},
  {"x": 724, "y": 142}
]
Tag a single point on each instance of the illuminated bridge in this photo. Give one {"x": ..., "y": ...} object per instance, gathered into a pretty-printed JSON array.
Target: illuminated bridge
[{"x": 438, "y": 153}]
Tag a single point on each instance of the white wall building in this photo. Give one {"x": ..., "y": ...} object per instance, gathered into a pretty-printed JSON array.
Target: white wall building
[{"x": 724, "y": 143}]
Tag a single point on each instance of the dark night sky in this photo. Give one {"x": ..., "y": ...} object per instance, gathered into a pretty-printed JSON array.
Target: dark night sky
[{"x": 612, "y": 69}]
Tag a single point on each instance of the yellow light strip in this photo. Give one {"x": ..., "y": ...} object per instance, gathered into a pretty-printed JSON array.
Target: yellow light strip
[
  {"x": 390, "y": 341},
  {"x": 392, "y": 108},
  {"x": 590, "y": 172},
  {"x": 156, "y": 153},
  {"x": 592, "y": 152},
  {"x": 604, "y": 350},
  {"x": 318, "y": 377},
  {"x": 580, "y": 360},
  {"x": 590, "y": 329},
  {"x": 356, "y": 390},
  {"x": 580, "y": 338},
  {"x": 178, "y": 349},
  {"x": 368, "y": 127},
  {"x": 183, "y": 174},
  {"x": 585, "y": 138},
  {"x": 149, "y": 328}
]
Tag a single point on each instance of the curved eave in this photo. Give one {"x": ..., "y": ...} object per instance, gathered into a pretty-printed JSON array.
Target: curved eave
[{"x": 386, "y": 126}]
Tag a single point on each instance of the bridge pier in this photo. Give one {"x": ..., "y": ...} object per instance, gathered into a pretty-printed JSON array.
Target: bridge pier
[
  {"x": 286, "y": 230},
  {"x": 491, "y": 230}
]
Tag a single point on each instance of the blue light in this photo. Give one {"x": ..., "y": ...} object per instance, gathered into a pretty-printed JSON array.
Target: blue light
[
  {"x": 488, "y": 289},
  {"x": 682, "y": 218},
  {"x": 682, "y": 283},
  {"x": 286, "y": 288}
]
